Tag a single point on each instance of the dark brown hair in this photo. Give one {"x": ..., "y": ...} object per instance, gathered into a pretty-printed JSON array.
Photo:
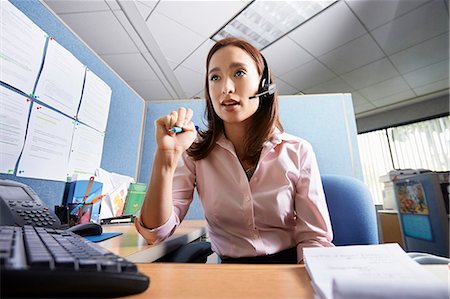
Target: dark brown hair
[{"x": 263, "y": 120}]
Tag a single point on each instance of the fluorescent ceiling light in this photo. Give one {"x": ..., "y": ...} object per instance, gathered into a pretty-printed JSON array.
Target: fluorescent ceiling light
[{"x": 263, "y": 22}]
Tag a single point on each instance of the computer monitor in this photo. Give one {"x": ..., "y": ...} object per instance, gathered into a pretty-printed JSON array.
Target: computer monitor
[{"x": 422, "y": 213}]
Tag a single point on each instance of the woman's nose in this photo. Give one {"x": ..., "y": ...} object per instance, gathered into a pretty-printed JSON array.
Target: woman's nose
[{"x": 228, "y": 86}]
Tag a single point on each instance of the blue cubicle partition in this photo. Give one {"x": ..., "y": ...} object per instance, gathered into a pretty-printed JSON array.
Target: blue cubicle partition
[
  {"x": 327, "y": 121},
  {"x": 123, "y": 132}
]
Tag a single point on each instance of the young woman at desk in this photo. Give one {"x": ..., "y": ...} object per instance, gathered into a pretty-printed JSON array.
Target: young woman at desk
[{"x": 260, "y": 188}]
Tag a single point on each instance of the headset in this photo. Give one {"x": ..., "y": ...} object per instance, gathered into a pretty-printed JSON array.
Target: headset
[{"x": 266, "y": 88}]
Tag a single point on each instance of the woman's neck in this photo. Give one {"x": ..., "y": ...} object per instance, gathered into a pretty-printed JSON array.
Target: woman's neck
[{"x": 236, "y": 133}]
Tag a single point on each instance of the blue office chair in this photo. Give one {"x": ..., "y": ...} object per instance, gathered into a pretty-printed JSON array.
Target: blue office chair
[{"x": 352, "y": 211}]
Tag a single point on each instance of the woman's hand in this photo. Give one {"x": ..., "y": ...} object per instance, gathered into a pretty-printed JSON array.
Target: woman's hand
[{"x": 175, "y": 142}]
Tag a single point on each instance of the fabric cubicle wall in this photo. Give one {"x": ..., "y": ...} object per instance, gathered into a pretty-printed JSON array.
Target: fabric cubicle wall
[
  {"x": 327, "y": 121},
  {"x": 123, "y": 132}
]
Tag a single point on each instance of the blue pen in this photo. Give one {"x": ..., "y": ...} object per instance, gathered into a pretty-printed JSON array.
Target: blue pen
[{"x": 179, "y": 130}]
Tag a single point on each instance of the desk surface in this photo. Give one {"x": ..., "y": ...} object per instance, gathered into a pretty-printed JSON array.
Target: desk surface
[
  {"x": 225, "y": 281},
  {"x": 134, "y": 248}
]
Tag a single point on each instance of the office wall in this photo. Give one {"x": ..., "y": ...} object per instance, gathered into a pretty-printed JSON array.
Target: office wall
[
  {"x": 326, "y": 121},
  {"x": 411, "y": 113},
  {"x": 123, "y": 132}
]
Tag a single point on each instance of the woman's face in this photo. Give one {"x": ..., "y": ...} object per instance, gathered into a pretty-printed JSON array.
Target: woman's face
[{"x": 233, "y": 78}]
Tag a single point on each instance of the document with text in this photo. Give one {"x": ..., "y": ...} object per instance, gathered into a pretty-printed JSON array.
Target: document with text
[
  {"x": 94, "y": 107},
  {"x": 47, "y": 145},
  {"x": 61, "y": 80},
  {"x": 13, "y": 124},
  {"x": 370, "y": 271},
  {"x": 22, "y": 48},
  {"x": 86, "y": 151}
]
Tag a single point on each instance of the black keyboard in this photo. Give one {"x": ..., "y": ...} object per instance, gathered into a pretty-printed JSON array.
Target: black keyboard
[{"x": 46, "y": 262}]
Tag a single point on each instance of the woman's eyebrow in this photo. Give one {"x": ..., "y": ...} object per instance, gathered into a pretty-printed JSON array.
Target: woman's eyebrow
[{"x": 232, "y": 65}]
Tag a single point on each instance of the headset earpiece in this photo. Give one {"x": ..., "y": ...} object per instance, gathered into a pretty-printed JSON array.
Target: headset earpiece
[{"x": 266, "y": 88}]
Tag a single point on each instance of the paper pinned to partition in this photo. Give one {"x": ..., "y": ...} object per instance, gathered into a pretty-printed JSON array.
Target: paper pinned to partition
[
  {"x": 13, "y": 124},
  {"x": 22, "y": 48},
  {"x": 369, "y": 271},
  {"x": 86, "y": 150},
  {"x": 46, "y": 151},
  {"x": 94, "y": 107},
  {"x": 61, "y": 81}
]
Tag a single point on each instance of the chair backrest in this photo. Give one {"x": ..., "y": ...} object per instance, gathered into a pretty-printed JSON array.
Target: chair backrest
[{"x": 352, "y": 211}]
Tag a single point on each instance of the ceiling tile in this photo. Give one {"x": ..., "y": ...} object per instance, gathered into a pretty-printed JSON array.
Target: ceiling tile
[
  {"x": 336, "y": 85},
  {"x": 428, "y": 74},
  {"x": 190, "y": 81},
  {"x": 145, "y": 7},
  {"x": 370, "y": 74},
  {"x": 429, "y": 52},
  {"x": 363, "y": 108},
  {"x": 352, "y": 55},
  {"x": 308, "y": 75},
  {"x": 277, "y": 53},
  {"x": 150, "y": 90},
  {"x": 375, "y": 13},
  {"x": 358, "y": 99},
  {"x": 179, "y": 43},
  {"x": 283, "y": 88},
  {"x": 421, "y": 24},
  {"x": 101, "y": 31},
  {"x": 132, "y": 67},
  {"x": 197, "y": 60},
  {"x": 130, "y": 30},
  {"x": 202, "y": 17},
  {"x": 384, "y": 89},
  {"x": 320, "y": 35},
  {"x": 402, "y": 96},
  {"x": 433, "y": 87},
  {"x": 76, "y": 6}
]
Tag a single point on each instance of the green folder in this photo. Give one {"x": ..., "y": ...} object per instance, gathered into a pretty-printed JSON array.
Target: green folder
[{"x": 135, "y": 198}]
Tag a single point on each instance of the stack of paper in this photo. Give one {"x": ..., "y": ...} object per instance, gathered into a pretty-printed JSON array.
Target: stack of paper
[{"x": 370, "y": 271}]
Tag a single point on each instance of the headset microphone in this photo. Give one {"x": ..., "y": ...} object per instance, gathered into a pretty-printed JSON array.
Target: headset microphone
[{"x": 266, "y": 87}]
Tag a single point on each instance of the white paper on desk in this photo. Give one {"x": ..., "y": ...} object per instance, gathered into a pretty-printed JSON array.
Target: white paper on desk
[
  {"x": 22, "y": 48},
  {"x": 61, "y": 80},
  {"x": 13, "y": 124},
  {"x": 364, "y": 266},
  {"x": 86, "y": 151},
  {"x": 47, "y": 145},
  {"x": 114, "y": 185},
  {"x": 95, "y": 102}
]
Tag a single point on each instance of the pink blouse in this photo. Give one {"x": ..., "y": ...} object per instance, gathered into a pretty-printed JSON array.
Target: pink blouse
[{"x": 282, "y": 206}]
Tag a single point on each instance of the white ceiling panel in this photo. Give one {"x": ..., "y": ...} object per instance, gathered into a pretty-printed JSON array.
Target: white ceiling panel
[
  {"x": 352, "y": 55},
  {"x": 319, "y": 35},
  {"x": 428, "y": 74},
  {"x": 197, "y": 60},
  {"x": 101, "y": 31},
  {"x": 332, "y": 86},
  {"x": 202, "y": 17},
  {"x": 145, "y": 7},
  {"x": 192, "y": 81},
  {"x": 428, "y": 21},
  {"x": 131, "y": 66},
  {"x": 130, "y": 31},
  {"x": 276, "y": 55},
  {"x": 77, "y": 6},
  {"x": 423, "y": 54},
  {"x": 358, "y": 99},
  {"x": 384, "y": 89},
  {"x": 370, "y": 74},
  {"x": 179, "y": 43},
  {"x": 402, "y": 96},
  {"x": 283, "y": 88},
  {"x": 374, "y": 13},
  {"x": 308, "y": 75},
  {"x": 364, "y": 108},
  {"x": 431, "y": 88},
  {"x": 150, "y": 90}
]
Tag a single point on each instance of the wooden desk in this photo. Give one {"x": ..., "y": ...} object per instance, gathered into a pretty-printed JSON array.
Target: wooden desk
[
  {"x": 134, "y": 248},
  {"x": 225, "y": 281}
]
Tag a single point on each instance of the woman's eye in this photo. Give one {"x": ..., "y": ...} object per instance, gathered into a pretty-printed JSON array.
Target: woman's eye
[
  {"x": 240, "y": 73},
  {"x": 214, "y": 78}
]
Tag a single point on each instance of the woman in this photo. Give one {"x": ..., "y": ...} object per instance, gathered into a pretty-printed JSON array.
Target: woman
[{"x": 260, "y": 188}]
